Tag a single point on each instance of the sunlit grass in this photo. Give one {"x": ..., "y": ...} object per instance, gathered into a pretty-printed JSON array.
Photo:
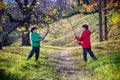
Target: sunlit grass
[
  {"x": 107, "y": 67},
  {"x": 15, "y": 66}
]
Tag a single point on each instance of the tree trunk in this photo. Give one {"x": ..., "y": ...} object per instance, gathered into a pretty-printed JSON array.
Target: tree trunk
[
  {"x": 26, "y": 22},
  {"x": 105, "y": 22},
  {"x": 86, "y": 1},
  {"x": 25, "y": 35},
  {"x": 25, "y": 38},
  {"x": 78, "y": 2},
  {"x": 100, "y": 21},
  {"x": 0, "y": 46},
  {"x": 60, "y": 13}
]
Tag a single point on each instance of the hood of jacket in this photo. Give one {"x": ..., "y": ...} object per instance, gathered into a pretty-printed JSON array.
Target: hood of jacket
[{"x": 88, "y": 32}]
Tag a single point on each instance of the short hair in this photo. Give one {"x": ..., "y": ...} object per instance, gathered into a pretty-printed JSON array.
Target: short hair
[
  {"x": 33, "y": 28},
  {"x": 85, "y": 26}
]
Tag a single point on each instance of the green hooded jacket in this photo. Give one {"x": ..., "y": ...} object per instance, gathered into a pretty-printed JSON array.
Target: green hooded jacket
[{"x": 35, "y": 39}]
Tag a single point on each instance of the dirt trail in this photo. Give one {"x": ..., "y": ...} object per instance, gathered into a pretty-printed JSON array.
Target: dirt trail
[{"x": 68, "y": 66}]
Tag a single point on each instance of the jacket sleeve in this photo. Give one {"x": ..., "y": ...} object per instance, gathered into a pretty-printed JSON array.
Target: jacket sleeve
[
  {"x": 41, "y": 37},
  {"x": 82, "y": 37}
]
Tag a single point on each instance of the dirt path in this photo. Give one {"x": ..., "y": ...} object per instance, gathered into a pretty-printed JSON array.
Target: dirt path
[{"x": 68, "y": 66}]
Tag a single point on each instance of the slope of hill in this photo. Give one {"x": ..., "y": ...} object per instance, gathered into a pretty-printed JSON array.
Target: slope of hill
[{"x": 62, "y": 34}]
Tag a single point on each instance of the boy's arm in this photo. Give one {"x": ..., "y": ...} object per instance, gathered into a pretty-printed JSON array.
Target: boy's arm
[
  {"x": 36, "y": 39},
  {"x": 41, "y": 37},
  {"x": 82, "y": 37}
]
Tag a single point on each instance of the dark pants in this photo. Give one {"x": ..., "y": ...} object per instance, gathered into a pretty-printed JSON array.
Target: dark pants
[
  {"x": 34, "y": 50},
  {"x": 85, "y": 50}
]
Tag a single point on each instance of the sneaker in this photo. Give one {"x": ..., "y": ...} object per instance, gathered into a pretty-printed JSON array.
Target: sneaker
[
  {"x": 95, "y": 58},
  {"x": 86, "y": 63}
]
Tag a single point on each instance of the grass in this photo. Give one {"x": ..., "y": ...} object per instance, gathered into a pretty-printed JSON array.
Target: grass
[
  {"x": 15, "y": 66},
  {"x": 107, "y": 67}
]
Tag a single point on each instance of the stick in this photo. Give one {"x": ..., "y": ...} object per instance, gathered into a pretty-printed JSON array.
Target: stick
[{"x": 72, "y": 26}]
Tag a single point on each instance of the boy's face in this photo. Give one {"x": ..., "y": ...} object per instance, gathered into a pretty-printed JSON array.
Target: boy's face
[
  {"x": 83, "y": 29},
  {"x": 35, "y": 31}
]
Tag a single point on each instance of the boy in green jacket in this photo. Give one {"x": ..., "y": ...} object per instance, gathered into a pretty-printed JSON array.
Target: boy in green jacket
[{"x": 35, "y": 39}]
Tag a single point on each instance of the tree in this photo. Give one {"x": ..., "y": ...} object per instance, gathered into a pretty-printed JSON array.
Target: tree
[
  {"x": 78, "y": 2},
  {"x": 101, "y": 6},
  {"x": 100, "y": 20},
  {"x": 105, "y": 21},
  {"x": 23, "y": 14},
  {"x": 86, "y": 2},
  {"x": 2, "y": 10},
  {"x": 26, "y": 11},
  {"x": 61, "y": 5}
]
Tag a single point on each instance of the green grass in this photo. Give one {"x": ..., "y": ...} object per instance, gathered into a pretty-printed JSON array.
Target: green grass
[
  {"x": 15, "y": 66},
  {"x": 107, "y": 67}
]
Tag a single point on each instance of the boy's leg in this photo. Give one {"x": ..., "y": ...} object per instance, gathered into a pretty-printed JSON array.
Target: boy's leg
[
  {"x": 85, "y": 54},
  {"x": 37, "y": 53},
  {"x": 91, "y": 54},
  {"x": 31, "y": 53}
]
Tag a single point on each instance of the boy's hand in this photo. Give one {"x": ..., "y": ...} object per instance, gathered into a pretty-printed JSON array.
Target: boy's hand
[
  {"x": 77, "y": 37},
  {"x": 79, "y": 43}
]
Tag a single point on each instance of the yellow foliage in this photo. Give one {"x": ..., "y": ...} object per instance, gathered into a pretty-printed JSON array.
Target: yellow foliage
[
  {"x": 115, "y": 19},
  {"x": 0, "y": 27},
  {"x": 26, "y": 32},
  {"x": 21, "y": 29},
  {"x": 38, "y": 2},
  {"x": 3, "y": 19},
  {"x": 53, "y": 11},
  {"x": 47, "y": 18},
  {"x": 75, "y": 4},
  {"x": 2, "y": 6}
]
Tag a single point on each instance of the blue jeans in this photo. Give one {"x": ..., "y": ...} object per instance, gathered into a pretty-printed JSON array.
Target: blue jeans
[
  {"x": 85, "y": 50},
  {"x": 34, "y": 50}
]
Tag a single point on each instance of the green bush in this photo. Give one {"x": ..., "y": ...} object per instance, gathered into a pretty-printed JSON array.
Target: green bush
[{"x": 71, "y": 13}]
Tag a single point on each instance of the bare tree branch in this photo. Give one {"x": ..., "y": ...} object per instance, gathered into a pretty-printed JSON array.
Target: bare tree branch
[
  {"x": 19, "y": 4},
  {"x": 25, "y": 2},
  {"x": 33, "y": 3}
]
